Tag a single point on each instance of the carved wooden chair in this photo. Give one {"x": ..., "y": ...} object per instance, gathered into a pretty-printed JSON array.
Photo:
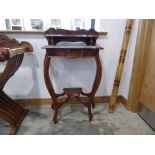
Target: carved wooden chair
[{"x": 11, "y": 51}]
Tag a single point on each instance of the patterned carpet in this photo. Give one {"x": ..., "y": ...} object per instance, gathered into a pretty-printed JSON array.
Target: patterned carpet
[{"x": 73, "y": 120}]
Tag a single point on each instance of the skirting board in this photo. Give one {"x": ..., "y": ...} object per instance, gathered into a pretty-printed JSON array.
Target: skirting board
[{"x": 47, "y": 101}]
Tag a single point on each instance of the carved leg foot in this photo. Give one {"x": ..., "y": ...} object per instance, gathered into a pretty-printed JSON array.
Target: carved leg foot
[
  {"x": 89, "y": 113},
  {"x": 93, "y": 105},
  {"x": 55, "y": 116},
  {"x": 52, "y": 106},
  {"x": 92, "y": 102},
  {"x": 111, "y": 108}
]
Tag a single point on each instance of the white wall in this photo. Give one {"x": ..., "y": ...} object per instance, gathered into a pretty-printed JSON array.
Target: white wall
[
  {"x": 2, "y": 24},
  {"x": 28, "y": 82}
]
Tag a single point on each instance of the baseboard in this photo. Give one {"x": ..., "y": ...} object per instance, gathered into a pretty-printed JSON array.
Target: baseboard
[
  {"x": 123, "y": 100},
  {"x": 47, "y": 101}
]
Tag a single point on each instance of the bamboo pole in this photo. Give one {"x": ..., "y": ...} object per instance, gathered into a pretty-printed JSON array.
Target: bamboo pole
[{"x": 120, "y": 66}]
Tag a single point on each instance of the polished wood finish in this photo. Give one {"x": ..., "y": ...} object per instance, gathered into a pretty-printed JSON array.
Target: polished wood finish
[
  {"x": 88, "y": 37},
  {"x": 9, "y": 110},
  {"x": 120, "y": 65},
  {"x": 72, "y": 51},
  {"x": 139, "y": 64},
  {"x": 147, "y": 96}
]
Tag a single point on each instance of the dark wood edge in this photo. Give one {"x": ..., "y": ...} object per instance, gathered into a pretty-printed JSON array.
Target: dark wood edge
[
  {"x": 61, "y": 32},
  {"x": 71, "y": 47},
  {"x": 71, "y": 35}
]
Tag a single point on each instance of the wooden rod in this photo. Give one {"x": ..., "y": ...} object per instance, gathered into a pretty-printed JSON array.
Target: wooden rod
[{"x": 120, "y": 66}]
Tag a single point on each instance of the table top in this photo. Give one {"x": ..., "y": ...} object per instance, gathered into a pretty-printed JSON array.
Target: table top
[
  {"x": 71, "y": 35},
  {"x": 72, "y": 47}
]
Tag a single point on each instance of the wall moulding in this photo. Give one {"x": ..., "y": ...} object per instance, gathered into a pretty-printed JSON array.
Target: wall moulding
[{"x": 47, "y": 101}]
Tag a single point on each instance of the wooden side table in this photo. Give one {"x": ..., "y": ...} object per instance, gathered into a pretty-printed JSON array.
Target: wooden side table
[
  {"x": 13, "y": 52},
  {"x": 65, "y": 43}
]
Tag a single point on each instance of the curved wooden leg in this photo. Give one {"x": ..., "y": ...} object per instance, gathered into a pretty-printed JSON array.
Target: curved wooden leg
[
  {"x": 10, "y": 101},
  {"x": 47, "y": 77},
  {"x": 72, "y": 91},
  {"x": 55, "y": 116},
  {"x": 11, "y": 112},
  {"x": 92, "y": 102},
  {"x": 95, "y": 86},
  {"x": 15, "y": 128},
  {"x": 9, "y": 106},
  {"x": 50, "y": 87},
  {"x": 90, "y": 113},
  {"x": 96, "y": 81},
  {"x": 98, "y": 76}
]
